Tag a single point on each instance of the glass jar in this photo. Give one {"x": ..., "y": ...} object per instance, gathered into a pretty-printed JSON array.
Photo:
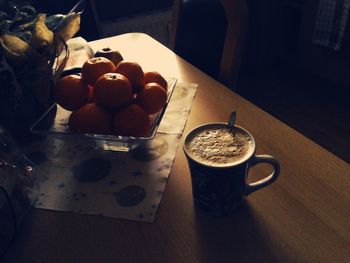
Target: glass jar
[{"x": 19, "y": 188}]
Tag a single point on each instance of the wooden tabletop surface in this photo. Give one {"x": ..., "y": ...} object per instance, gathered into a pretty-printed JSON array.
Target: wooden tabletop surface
[{"x": 303, "y": 217}]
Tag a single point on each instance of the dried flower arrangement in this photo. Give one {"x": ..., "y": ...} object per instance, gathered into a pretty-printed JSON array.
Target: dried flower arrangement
[{"x": 30, "y": 43}]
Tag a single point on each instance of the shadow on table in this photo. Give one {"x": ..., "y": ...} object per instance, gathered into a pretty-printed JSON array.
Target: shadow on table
[{"x": 239, "y": 237}]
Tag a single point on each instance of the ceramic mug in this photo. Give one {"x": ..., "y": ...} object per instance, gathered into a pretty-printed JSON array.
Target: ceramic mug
[{"x": 219, "y": 156}]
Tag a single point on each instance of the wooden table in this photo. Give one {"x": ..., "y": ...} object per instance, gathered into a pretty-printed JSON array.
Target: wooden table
[{"x": 303, "y": 217}]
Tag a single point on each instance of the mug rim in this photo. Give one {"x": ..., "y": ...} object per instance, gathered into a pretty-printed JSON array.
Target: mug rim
[{"x": 243, "y": 160}]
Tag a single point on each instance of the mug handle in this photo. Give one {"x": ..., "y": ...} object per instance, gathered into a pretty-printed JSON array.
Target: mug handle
[{"x": 250, "y": 188}]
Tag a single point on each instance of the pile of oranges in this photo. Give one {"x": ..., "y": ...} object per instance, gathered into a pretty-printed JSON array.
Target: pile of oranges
[{"x": 111, "y": 96}]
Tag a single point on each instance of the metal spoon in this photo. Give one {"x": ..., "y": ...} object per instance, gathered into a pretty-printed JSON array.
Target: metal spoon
[{"x": 231, "y": 121}]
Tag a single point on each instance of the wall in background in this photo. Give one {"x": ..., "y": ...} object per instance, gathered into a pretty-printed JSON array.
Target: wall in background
[
  {"x": 150, "y": 17},
  {"x": 113, "y": 10}
]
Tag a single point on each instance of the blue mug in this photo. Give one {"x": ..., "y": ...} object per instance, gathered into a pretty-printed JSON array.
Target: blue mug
[{"x": 219, "y": 166}]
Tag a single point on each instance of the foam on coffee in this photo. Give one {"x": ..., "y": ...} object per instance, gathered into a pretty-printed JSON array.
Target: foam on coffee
[{"x": 217, "y": 145}]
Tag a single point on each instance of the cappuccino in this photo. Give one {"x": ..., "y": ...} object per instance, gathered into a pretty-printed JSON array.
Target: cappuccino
[
  {"x": 217, "y": 145},
  {"x": 219, "y": 157}
]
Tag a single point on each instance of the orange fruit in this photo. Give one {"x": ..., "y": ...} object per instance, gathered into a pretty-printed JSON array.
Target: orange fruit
[
  {"x": 132, "y": 120},
  {"x": 152, "y": 98},
  {"x": 71, "y": 92},
  {"x": 94, "y": 68},
  {"x": 112, "y": 90},
  {"x": 133, "y": 72},
  {"x": 91, "y": 118},
  {"x": 154, "y": 76},
  {"x": 91, "y": 93},
  {"x": 112, "y": 55}
]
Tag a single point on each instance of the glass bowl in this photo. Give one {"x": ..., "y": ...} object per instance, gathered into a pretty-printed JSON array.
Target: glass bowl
[{"x": 54, "y": 122}]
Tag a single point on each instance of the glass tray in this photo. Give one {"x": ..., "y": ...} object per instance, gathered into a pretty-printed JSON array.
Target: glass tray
[{"x": 54, "y": 122}]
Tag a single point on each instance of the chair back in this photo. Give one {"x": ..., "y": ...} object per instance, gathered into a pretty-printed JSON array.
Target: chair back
[{"x": 210, "y": 35}]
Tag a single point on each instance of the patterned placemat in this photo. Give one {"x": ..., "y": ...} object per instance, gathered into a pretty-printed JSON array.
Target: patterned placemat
[{"x": 79, "y": 179}]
